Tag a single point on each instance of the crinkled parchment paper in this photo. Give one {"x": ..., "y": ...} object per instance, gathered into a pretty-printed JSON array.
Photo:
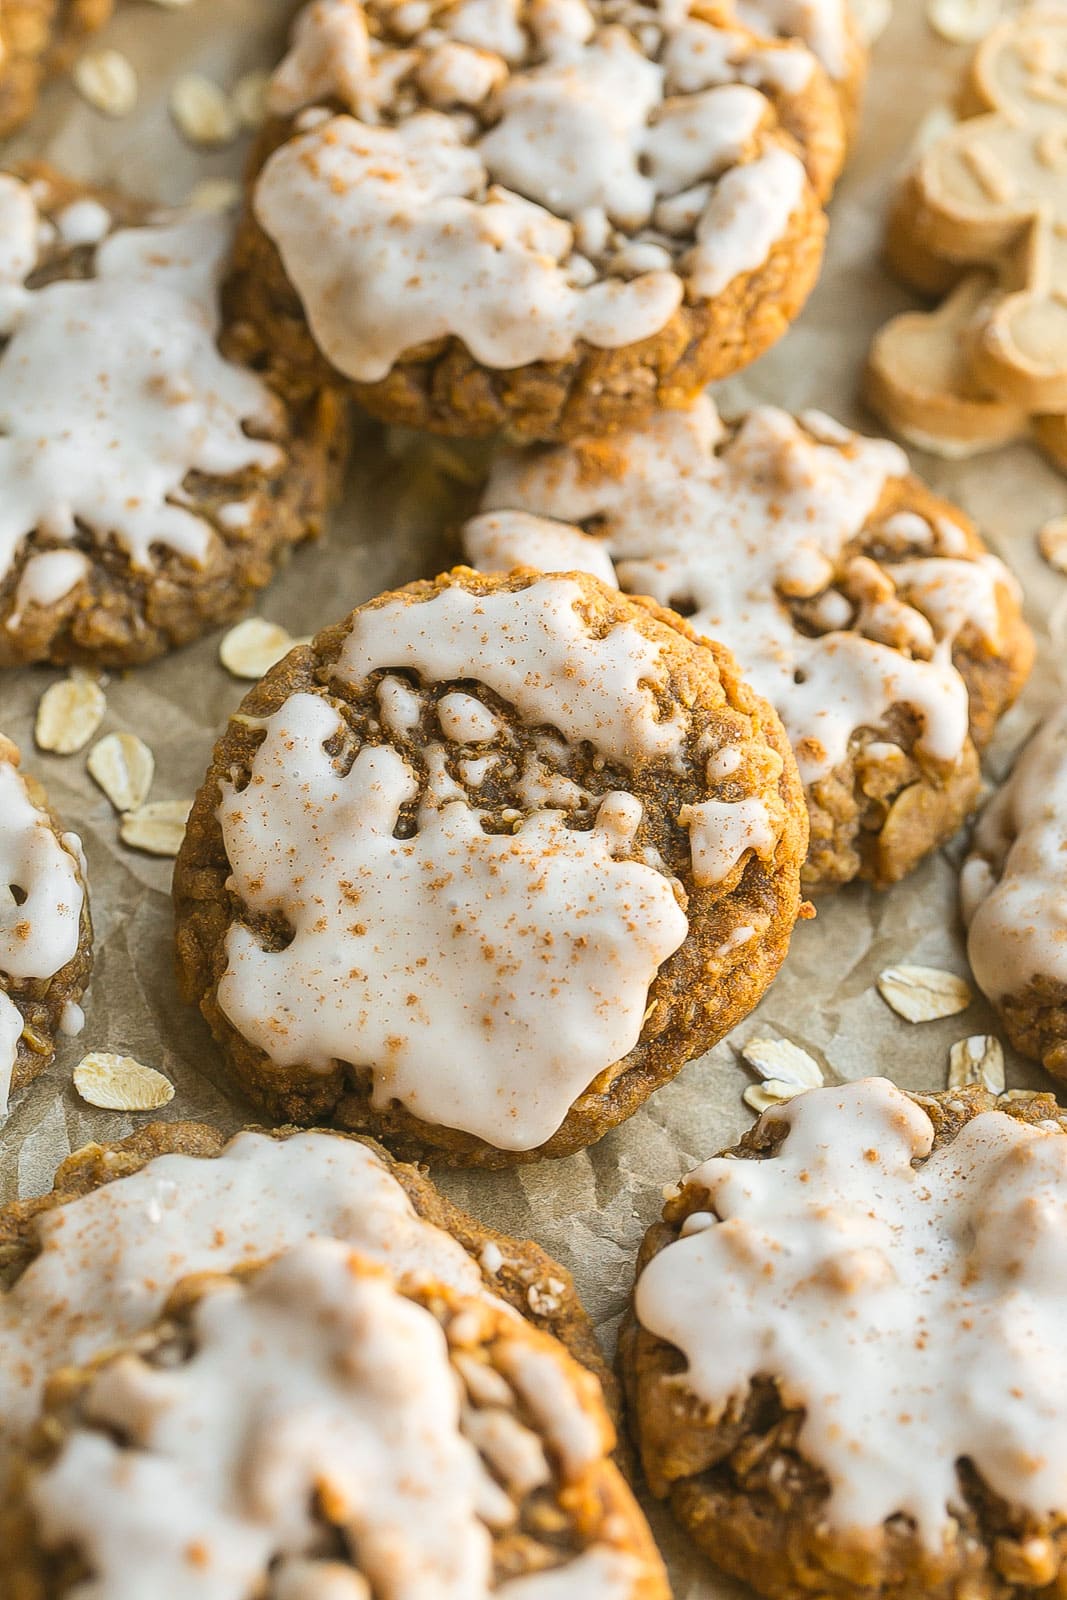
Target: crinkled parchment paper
[{"x": 394, "y": 526}]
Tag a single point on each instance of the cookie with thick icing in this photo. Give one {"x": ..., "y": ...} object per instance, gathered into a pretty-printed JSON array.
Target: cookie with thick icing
[
  {"x": 149, "y": 485},
  {"x": 864, "y": 607},
  {"x": 39, "y": 38},
  {"x": 1014, "y": 893},
  {"x": 844, "y": 1362},
  {"x": 91, "y": 1264},
  {"x": 313, "y": 1426},
  {"x": 46, "y": 937},
  {"x": 418, "y": 222},
  {"x": 485, "y": 864}
]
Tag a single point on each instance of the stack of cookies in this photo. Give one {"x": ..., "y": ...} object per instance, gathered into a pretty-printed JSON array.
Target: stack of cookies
[{"x": 482, "y": 865}]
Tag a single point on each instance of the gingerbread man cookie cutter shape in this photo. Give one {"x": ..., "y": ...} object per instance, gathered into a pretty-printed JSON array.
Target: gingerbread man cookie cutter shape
[{"x": 990, "y": 194}]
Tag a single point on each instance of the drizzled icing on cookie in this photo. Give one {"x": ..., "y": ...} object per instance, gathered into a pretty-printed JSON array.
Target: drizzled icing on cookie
[
  {"x": 112, "y": 391},
  {"x": 41, "y": 900},
  {"x": 1014, "y": 886},
  {"x": 913, "y": 1313},
  {"x": 484, "y": 979},
  {"x": 109, "y": 1259},
  {"x": 821, "y": 24},
  {"x": 734, "y": 532},
  {"x": 317, "y": 1382},
  {"x": 471, "y": 217}
]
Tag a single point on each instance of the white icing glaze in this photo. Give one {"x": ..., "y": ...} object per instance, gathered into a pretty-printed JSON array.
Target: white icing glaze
[
  {"x": 112, "y": 391},
  {"x": 484, "y": 226},
  {"x": 40, "y": 922},
  {"x": 84, "y": 221},
  {"x": 10, "y": 1034},
  {"x": 533, "y": 648},
  {"x": 47, "y": 578},
  {"x": 316, "y": 1380},
  {"x": 465, "y": 720},
  {"x": 1014, "y": 887},
  {"x": 484, "y": 979},
  {"x": 71, "y": 1019},
  {"x": 822, "y": 24},
  {"x": 721, "y": 833},
  {"x": 497, "y": 544},
  {"x": 914, "y": 1314},
  {"x": 731, "y": 533},
  {"x": 109, "y": 1259}
]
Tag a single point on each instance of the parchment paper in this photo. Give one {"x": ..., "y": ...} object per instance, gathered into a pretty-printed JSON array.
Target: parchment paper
[{"x": 394, "y": 526}]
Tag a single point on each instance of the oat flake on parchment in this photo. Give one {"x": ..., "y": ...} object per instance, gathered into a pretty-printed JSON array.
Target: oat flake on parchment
[
  {"x": 923, "y": 994},
  {"x": 120, "y": 1083}
]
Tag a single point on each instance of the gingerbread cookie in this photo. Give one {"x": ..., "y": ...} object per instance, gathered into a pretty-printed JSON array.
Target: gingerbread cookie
[
  {"x": 421, "y": 228},
  {"x": 989, "y": 194},
  {"x": 485, "y": 865},
  {"x": 91, "y": 1264},
  {"x": 39, "y": 38},
  {"x": 846, "y": 1351},
  {"x": 865, "y": 608},
  {"x": 1014, "y": 893},
  {"x": 46, "y": 938},
  {"x": 149, "y": 486},
  {"x": 313, "y": 1427}
]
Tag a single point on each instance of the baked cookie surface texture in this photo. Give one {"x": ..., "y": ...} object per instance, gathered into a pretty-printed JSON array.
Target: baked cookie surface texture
[
  {"x": 984, "y": 216},
  {"x": 148, "y": 485},
  {"x": 45, "y": 934},
  {"x": 436, "y": 240},
  {"x": 37, "y": 39},
  {"x": 486, "y": 864},
  {"x": 313, "y": 1428},
  {"x": 1014, "y": 893},
  {"x": 845, "y": 1362},
  {"x": 91, "y": 1264},
  {"x": 865, "y": 608}
]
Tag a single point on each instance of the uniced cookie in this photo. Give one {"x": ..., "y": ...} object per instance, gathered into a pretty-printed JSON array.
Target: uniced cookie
[
  {"x": 91, "y": 1264},
  {"x": 845, "y": 1359},
  {"x": 486, "y": 864},
  {"x": 863, "y": 607},
  {"x": 149, "y": 485},
  {"x": 419, "y": 223},
  {"x": 46, "y": 937},
  {"x": 983, "y": 215},
  {"x": 37, "y": 39},
  {"x": 1014, "y": 895},
  {"x": 315, "y": 1427}
]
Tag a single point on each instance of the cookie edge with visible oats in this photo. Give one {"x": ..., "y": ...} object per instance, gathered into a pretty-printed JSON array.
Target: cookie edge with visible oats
[
  {"x": 118, "y": 616},
  {"x": 782, "y": 1547},
  {"x": 204, "y": 907}
]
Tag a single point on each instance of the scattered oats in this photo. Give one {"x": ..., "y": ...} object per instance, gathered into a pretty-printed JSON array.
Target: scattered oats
[
  {"x": 772, "y": 1092},
  {"x": 203, "y": 112},
  {"x": 977, "y": 1060},
  {"x": 963, "y": 21},
  {"x": 254, "y": 646},
  {"x": 119, "y": 1083},
  {"x": 107, "y": 80},
  {"x": 872, "y": 18},
  {"x": 157, "y": 828},
  {"x": 923, "y": 994},
  {"x": 124, "y": 767},
  {"x": 69, "y": 714},
  {"x": 214, "y": 194},
  {"x": 1052, "y": 542},
  {"x": 783, "y": 1062},
  {"x": 250, "y": 98},
  {"x": 1021, "y": 1094}
]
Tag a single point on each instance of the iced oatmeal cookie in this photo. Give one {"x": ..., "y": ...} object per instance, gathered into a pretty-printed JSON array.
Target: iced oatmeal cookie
[
  {"x": 863, "y": 607},
  {"x": 148, "y": 485},
  {"x": 828, "y": 29},
  {"x": 1014, "y": 893},
  {"x": 486, "y": 864},
  {"x": 46, "y": 938},
  {"x": 845, "y": 1362},
  {"x": 91, "y": 1264},
  {"x": 420, "y": 225},
  {"x": 315, "y": 1427},
  {"x": 37, "y": 39}
]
